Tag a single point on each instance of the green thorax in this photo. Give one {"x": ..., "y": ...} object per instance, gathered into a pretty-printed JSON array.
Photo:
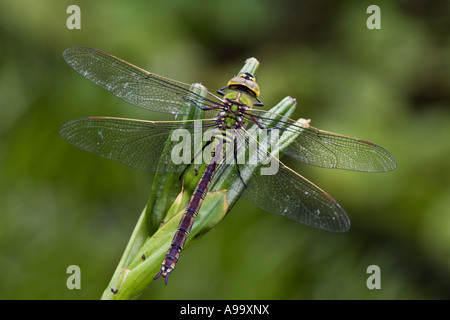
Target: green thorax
[
  {"x": 232, "y": 116},
  {"x": 242, "y": 90}
]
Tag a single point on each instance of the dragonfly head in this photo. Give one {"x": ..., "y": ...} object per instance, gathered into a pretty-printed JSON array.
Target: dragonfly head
[{"x": 245, "y": 82}]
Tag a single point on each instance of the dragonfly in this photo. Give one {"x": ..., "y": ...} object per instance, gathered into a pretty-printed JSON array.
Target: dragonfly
[{"x": 230, "y": 115}]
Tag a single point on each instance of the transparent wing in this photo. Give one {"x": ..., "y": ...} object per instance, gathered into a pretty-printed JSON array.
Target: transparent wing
[
  {"x": 278, "y": 189},
  {"x": 135, "y": 85},
  {"x": 135, "y": 143},
  {"x": 292, "y": 196},
  {"x": 327, "y": 149}
]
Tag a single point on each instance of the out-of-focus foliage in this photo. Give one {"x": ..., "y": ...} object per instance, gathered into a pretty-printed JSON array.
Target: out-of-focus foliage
[{"x": 61, "y": 206}]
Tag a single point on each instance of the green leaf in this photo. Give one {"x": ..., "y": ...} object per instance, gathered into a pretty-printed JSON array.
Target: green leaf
[{"x": 134, "y": 278}]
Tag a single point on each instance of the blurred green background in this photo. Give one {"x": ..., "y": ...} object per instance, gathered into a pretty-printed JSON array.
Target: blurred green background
[{"x": 61, "y": 206}]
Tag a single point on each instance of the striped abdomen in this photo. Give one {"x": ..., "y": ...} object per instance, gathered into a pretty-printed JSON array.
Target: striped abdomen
[{"x": 186, "y": 222}]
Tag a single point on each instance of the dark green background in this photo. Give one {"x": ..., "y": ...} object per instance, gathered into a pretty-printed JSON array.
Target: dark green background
[{"x": 61, "y": 206}]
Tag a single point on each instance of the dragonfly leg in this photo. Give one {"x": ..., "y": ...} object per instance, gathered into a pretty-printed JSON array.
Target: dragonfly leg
[
  {"x": 260, "y": 125},
  {"x": 236, "y": 162},
  {"x": 195, "y": 156},
  {"x": 220, "y": 91},
  {"x": 259, "y": 104},
  {"x": 194, "y": 102},
  {"x": 205, "y": 108}
]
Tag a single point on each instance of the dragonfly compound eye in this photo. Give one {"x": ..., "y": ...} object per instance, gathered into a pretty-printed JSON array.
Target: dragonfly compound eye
[{"x": 245, "y": 82}]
